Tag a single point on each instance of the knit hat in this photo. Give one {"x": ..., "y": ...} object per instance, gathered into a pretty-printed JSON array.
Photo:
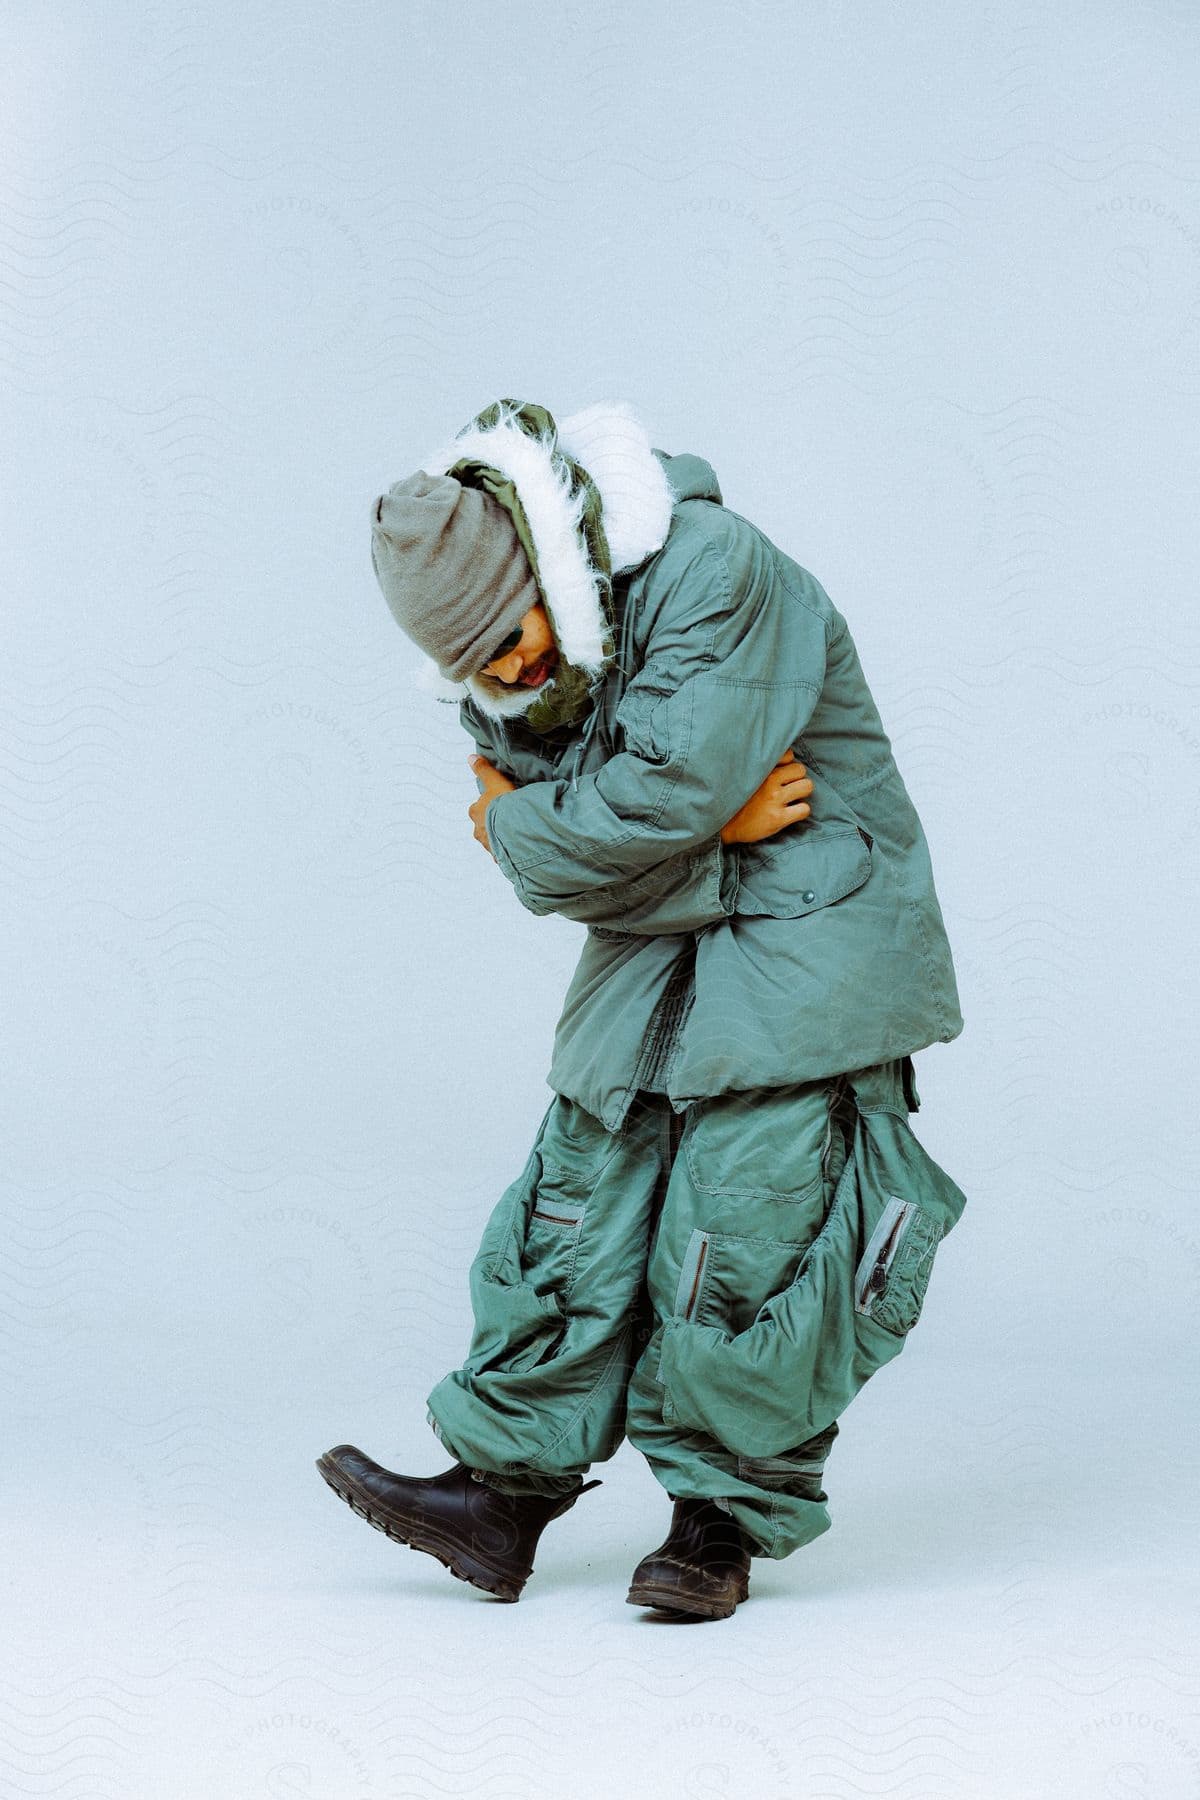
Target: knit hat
[
  {"x": 587, "y": 498},
  {"x": 452, "y": 569}
]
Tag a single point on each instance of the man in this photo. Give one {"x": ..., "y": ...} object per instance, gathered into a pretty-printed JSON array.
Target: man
[{"x": 725, "y": 1224}]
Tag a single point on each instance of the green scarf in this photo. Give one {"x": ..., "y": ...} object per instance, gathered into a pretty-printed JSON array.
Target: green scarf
[{"x": 568, "y": 694}]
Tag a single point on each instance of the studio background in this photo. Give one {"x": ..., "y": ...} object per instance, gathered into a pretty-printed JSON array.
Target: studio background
[{"x": 924, "y": 287}]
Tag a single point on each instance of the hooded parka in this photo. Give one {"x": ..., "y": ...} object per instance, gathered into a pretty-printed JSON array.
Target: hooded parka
[
  {"x": 725, "y": 1224},
  {"x": 708, "y": 966}
]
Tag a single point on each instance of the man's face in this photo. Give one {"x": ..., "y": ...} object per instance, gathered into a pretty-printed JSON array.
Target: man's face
[{"x": 530, "y": 660}]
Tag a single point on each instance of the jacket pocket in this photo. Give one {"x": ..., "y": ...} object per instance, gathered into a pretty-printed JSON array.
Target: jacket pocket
[
  {"x": 643, "y": 721},
  {"x": 801, "y": 869}
]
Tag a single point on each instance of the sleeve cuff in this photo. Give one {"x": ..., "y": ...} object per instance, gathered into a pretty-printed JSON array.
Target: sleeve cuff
[{"x": 503, "y": 860}]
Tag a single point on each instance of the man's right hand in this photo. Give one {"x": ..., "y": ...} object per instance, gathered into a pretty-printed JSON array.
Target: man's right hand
[{"x": 777, "y": 802}]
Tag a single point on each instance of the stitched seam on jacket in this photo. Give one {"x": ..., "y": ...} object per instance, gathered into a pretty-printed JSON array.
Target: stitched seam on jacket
[
  {"x": 877, "y": 775},
  {"x": 814, "y": 687},
  {"x": 928, "y": 953},
  {"x": 773, "y": 552}
]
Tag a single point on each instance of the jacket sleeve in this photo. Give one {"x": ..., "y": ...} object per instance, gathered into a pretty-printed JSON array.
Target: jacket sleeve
[
  {"x": 684, "y": 892},
  {"x": 734, "y": 666}
]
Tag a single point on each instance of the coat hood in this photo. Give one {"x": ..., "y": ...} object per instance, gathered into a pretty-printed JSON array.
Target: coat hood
[{"x": 638, "y": 487}]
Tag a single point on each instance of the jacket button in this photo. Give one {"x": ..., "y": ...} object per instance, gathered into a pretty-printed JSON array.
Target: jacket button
[{"x": 808, "y": 896}]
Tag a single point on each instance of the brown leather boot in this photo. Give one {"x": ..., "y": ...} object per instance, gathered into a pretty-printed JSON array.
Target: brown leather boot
[
  {"x": 701, "y": 1570},
  {"x": 482, "y": 1535}
]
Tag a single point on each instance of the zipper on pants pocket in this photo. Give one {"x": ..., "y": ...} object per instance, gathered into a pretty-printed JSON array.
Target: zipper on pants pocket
[
  {"x": 691, "y": 1275},
  {"x": 690, "y": 1285},
  {"x": 872, "y": 1273},
  {"x": 558, "y": 1212}
]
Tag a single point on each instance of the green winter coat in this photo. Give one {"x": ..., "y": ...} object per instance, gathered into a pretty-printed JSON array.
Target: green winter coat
[{"x": 716, "y": 967}]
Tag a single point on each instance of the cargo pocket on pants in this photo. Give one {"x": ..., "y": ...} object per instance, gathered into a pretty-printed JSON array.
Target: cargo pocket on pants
[
  {"x": 526, "y": 1293},
  {"x": 523, "y": 1290},
  {"x": 858, "y": 1291},
  {"x": 725, "y": 1280},
  {"x": 548, "y": 1256},
  {"x": 893, "y": 1272}
]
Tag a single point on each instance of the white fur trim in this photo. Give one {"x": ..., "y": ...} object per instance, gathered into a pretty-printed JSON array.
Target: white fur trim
[
  {"x": 569, "y": 582},
  {"x": 430, "y": 680},
  {"x": 611, "y": 443},
  {"x": 638, "y": 501}
]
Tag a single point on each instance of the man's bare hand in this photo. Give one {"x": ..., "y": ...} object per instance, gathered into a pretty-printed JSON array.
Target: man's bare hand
[
  {"x": 494, "y": 783},
  {"x": 777, "y": 802}
]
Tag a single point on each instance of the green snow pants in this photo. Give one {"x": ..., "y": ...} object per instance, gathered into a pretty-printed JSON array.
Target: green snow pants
[{"x": 715, "y": 1285}]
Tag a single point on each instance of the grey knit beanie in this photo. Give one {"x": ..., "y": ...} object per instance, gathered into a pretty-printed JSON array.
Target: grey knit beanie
[{"x": 452, "y": 569}]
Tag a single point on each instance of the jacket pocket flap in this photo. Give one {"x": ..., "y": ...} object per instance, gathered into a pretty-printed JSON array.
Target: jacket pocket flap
[
  {"x": 800, "y": 869},
  {"x": 642, "y": 720}
]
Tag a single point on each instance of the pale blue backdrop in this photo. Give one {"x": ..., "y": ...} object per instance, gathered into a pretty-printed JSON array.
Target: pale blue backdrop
[{"x": 924, "y": 286}]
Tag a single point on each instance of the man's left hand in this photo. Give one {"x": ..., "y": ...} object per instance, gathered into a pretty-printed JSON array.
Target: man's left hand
[{"x": 493, "y": 783}]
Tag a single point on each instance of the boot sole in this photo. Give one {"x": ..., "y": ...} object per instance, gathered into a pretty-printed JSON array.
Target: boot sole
[
  {"x": 466, "y": 1567},
  {"x": 671, "y": 1600}
]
